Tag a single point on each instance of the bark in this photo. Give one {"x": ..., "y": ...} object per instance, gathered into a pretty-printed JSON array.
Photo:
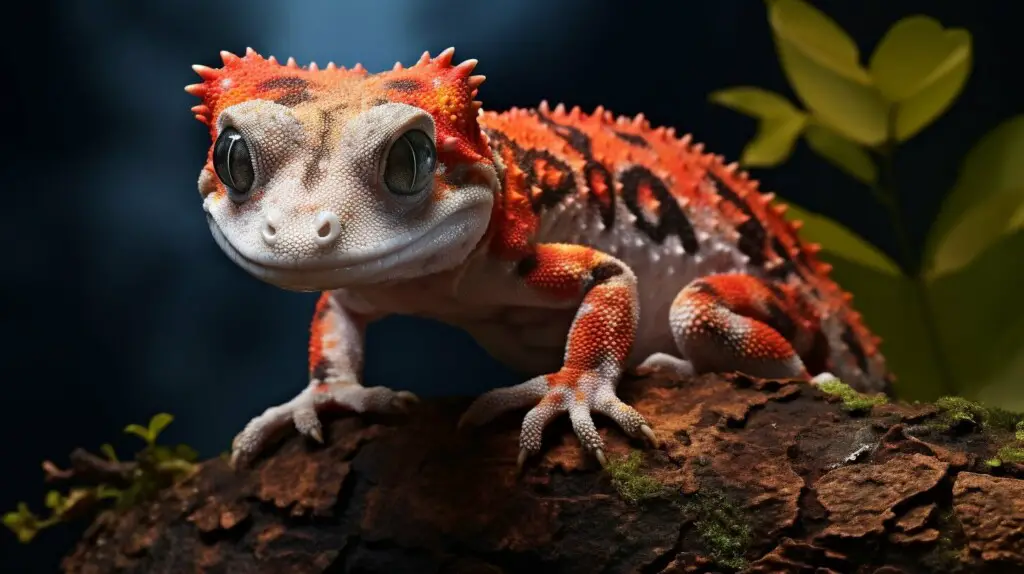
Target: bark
[{"x": 753, "y": 476}]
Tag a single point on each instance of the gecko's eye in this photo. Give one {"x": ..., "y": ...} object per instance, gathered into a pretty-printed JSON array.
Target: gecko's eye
[
  {"x": 233, "y": 163},
  {"x": 410, "y": 163}
]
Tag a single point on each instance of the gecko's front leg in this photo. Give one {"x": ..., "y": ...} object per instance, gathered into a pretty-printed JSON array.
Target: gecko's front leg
[
  {"x": 599, "y": 342},
  {"x": 335, "y": 364}
]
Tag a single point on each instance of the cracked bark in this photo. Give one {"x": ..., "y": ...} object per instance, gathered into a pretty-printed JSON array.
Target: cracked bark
[{"x": 816, "y": 490}]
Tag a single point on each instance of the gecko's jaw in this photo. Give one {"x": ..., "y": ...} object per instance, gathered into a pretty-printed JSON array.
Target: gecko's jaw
[{"x": 440, "y": 247}]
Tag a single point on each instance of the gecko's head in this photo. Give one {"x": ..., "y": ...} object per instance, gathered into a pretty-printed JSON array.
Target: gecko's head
[{"x": 322, "y": 179}]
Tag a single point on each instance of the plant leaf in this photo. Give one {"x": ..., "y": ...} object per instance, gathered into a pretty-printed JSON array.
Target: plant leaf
[
  {"x": 773, "y": 143},
  {"x": 922, "y": 67},
  {"x": 108, "y": 450},
  {"x": 186, "y": 453},
  {"x": 838, "y": 241},
  {"x": 54, "y": 499},
  {"x": 822, "y": 64},
  {"x": 158, "y": 423},
  {"x": 986, "y": 203},
  {"x": 842, "y": 153},
  {"x": 755, "y": 102},
  {"x": 779, "y": 127},
  {"x": 981, "y": 319},
  {"x": 139, "y": 431},
  {"x": 817, "y": 36}
]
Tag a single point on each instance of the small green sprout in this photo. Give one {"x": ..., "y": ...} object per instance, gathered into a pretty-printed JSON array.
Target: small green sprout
[
  {"x": 124, "y": 482},
  {"x": 853, "y": 401}
]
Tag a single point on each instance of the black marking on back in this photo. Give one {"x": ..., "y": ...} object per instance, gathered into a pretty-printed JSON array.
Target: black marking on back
[
  {"x": 550, "y": 193},
  {"x": 753, "y": 235},
  {"x": 605, "y": 271},
  {"x": 597, "y": 176},
  {"x": 319, "y": 370},
  {"x": 671, "y": 219},
  {"x": 779, "y": 320},
  {"x": 850, "y": 338},
  {"x": 526, "y": 265},
  {"x": 632, "y": 139},
  {"x": 405, "y": 85},
  {"x": 285, "y": 83},
  {"x": 296, "y": 90}
]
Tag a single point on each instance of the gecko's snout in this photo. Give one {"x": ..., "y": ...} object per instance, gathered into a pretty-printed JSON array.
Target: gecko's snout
[{"x": 324, "y": 230}]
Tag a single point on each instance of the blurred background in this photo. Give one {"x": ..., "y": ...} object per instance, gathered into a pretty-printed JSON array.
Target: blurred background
[{"x": 117, "y": 302}]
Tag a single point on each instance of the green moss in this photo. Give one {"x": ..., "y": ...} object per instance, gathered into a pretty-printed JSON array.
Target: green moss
[
  {"x": 1010, "y": 453},
  {"x": 959, "y": 412},
  {"x": 852, "y": 400},
  {"x": 945, "y": 556},
  {"x": 722, "y": 526},
  {"x": 627, "y": 478}
]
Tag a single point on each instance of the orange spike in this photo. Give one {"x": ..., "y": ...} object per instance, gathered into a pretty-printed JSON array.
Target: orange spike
[
  {"x": 228, "y": 58},
  {"x": 292, "y": 63},
  {"x": 424, "y": 59},
  {"x": 780, "y": 208},
  {"x": 467, "y": 66},
  {"x": 766, "y": 197},
  {"x": 560, "y": 109},
  {"x": 272, "y": 60},
  {"x": 200, "y": 109},
  {"x": 313, "y": 67},
  {"x": 196, "y": 89},
  {"x": 444, "y": 59},
  {"x": 397, "y": 67},
  {"x": 475, "y": 81},
  {"x": 359, "y": 68},
  {"x": 250, "y": 53},
  {"x": 201, "y": 118},
  {"x": 543, "y": 107},
  {"x": 331, "y": 66},
  {"x": 205, "y": 72}
]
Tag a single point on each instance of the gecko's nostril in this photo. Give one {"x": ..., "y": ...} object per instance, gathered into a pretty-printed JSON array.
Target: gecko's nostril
[
  {"x": 269, "y": 230},
  {"x": 328, "y": 228}
]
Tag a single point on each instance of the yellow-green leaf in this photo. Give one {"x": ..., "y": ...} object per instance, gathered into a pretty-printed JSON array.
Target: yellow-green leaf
[
  {"x": 755, "y": 102},
  {"x": 980, "y": 314},
  {"x": 158, "y": 423},
  {"x": 841, "y": 152},
  {"x": 821, "y": 63},
  {"x": 779, "y": 127},
  {"x": 818, "y": 37},
  {"x": 914, "y": 54},
  {"x": 773, "y": 142},
  {"x": 139, "y": 431},
  {"x": 108, "y": 450},
  {"x": 838, "y": 241},
  {"x": 985, "y": 204}
]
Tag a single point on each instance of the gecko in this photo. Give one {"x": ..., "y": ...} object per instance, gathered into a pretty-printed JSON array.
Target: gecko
[{"x": 576, "y": 248}]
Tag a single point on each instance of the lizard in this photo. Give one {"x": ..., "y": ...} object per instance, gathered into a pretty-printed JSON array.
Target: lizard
[{"x": 574, "y": 247}]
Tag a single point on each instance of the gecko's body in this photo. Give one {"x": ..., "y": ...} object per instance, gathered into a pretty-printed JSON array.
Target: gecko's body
[{"x": 571, "y": 246}]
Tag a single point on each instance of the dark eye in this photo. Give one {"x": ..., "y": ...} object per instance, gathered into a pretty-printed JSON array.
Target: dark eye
[
  {"x": 233, "y": 163},
  {"x": 410, "y": 163}
]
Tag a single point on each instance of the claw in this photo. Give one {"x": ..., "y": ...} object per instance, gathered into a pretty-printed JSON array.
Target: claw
[
  {"x": 650, "y": 435},
  {"x": 316, "y": 434},
  {"x": 599, "y": 454},
  {"x": 521, "y": 459}
]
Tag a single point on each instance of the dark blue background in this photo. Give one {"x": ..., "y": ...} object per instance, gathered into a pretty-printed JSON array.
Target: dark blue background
[{"x": 118, "y": 304}]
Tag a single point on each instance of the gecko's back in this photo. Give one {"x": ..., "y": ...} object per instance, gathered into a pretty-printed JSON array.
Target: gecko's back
[{"x": 673, "y": 213}]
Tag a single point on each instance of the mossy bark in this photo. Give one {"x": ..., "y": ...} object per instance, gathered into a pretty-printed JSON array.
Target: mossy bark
[{"x": 753, "y": 476}]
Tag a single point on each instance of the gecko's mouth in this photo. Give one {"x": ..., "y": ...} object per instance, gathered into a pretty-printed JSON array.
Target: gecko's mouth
[{"x": 401, "y": 261}]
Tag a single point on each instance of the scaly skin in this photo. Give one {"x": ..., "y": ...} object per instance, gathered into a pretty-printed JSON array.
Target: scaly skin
[{"x": 572, "y": 246}]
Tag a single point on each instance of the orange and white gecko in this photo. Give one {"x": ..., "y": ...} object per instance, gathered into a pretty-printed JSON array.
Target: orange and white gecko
[{"x": 571, "y": 246}]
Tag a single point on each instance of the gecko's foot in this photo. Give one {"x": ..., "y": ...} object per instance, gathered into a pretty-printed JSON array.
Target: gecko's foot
[
  {"x": 303, "y": 411},
  {"x": 578, "y": 394}
]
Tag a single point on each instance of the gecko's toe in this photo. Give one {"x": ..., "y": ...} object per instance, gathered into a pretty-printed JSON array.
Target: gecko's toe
[
  {"x": 599, "y": 455},
  {"x": 647, "y": 432}
]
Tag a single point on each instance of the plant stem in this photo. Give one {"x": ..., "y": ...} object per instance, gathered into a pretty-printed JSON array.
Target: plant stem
[{"x": 885, "y": 191}]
